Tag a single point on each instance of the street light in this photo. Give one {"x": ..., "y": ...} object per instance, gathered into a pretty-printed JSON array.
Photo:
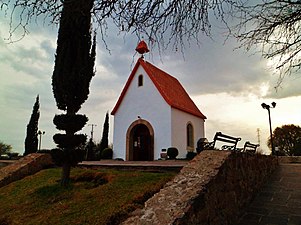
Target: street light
[
  {"x": 267, "y": 107},
  {"x": 40, "y": 142}
]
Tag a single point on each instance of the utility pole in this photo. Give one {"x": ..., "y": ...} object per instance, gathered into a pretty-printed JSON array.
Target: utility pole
[
  {"x": 92, "y": 130},
  {"x": 258, "y": 135}
]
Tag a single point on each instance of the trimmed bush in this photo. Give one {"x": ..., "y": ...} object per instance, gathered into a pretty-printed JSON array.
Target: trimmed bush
[
  {"x": 59, "y": 156},
  {"x": 172, "y": 153},
  {"x": 71, "y": 141},
  {"x": 190, "y": 155},
  {"x": 107, "y": 153},
  {"x": 72, "y": 123}
]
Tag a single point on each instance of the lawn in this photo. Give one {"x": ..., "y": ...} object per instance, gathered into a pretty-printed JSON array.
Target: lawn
[{"x": 95, "y": 197}]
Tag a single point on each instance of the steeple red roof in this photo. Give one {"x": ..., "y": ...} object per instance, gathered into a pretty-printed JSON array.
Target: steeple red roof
[
  {"x": 142, "y": 47},
  {"x": 169, "y": 88}
]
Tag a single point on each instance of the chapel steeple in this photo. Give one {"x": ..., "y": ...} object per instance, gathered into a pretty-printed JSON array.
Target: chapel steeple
[{"x": 142, "y": 48}]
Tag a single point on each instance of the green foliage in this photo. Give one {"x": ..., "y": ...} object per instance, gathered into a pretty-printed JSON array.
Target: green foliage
[
  {"x": 104, "y": 143},
  {"x": 172, "y": 153},
  {"x": 107, "y": 153},
  {"x": 5, "y": 148},
  {"x": 69, "y": 141},
  {"x": 31, "y": 140},
  {"x": 73, "y": 71},
  {"x": 59, "y": 156},
  {"x": 288, "y": 140},
  {"x": 71, "y": 123},
  {"x": 105, "y": 197},
  {"x": 91, "y": 154},
  {"x": 190, "y": 155},
  {"x": 74, "y": 61}
]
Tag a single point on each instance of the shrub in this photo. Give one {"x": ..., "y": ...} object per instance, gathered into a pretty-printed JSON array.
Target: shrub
[
  {"x": 172, "y": 152},
  {"x": 59, "y": 156},
  {"x": 107, "y": 153},
  {"x": 69, "y": 141},
  {"x": 72, "y": 123},
  {"x": 190, "y": 155}
]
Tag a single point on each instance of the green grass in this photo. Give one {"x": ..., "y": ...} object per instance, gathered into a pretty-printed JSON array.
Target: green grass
[{"x": 94, "y": 197}]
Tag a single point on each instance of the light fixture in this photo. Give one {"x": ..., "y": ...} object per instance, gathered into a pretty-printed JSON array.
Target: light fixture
[{"x": 267, "y": 107}]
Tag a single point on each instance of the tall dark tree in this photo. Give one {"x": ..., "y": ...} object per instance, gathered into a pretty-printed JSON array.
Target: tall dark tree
[
  {"x": 287, "y": 139},
  {"x": 31, "y": 140},
  {"x": 73, "y": 71},
  {"x": 104, "y": 143}
]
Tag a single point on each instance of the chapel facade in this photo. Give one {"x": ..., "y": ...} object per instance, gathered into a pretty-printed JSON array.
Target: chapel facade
[{"x": 154, "y": 112}]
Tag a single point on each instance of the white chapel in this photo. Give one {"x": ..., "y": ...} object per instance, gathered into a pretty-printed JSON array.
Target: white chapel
[{"x": 154, "y": 112}]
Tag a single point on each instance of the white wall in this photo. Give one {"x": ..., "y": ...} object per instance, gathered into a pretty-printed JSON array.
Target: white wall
[
  {"x": 147, "y": 103},
  {"x": 180, "y": 120}
]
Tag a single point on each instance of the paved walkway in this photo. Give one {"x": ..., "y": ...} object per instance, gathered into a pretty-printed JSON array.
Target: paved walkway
[
  {"x": 279, "y": 202},
  {"x": 143, "y": 165}
]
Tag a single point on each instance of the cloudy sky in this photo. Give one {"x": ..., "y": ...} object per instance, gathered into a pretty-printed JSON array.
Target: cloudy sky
[{"x": 228, "y": 86}]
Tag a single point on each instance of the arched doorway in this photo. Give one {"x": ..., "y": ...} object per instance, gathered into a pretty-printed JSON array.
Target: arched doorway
[{"x": 140, "y": 141}]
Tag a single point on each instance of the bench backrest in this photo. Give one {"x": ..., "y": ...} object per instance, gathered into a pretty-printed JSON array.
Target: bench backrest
[
  {"x": 219, "y": 136},
  {"x": 250, "y": 147}
]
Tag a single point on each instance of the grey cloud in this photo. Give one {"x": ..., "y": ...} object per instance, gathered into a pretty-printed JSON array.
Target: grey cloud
[
  {"x": 17, "y": 97},
  {"x": 120, "y": 60},
  {"x": 215, "y": 68},
  {"x": 34, "y": 61},
  {"x": 290, "y": 87},
  {"x": 49, "y": 49}
]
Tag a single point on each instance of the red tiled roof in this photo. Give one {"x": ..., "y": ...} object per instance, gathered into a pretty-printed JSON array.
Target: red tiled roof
[{"x": 169, "y": 87}]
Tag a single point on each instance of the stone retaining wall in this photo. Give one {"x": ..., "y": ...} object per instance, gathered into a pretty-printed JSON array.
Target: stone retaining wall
[
  {"x": 23, "y": 167},
  {"x": 210, "y": 190},
  {"x": 289, "y": 159}
]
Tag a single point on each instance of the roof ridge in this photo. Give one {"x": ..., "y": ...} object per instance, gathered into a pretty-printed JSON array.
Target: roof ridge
[
  {"x": 168, "y": 86},
  {"x": 193, "y": 109},
  {"x": 150, "y": 64}
]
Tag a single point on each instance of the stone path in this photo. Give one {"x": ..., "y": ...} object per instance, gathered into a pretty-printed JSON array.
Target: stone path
[
  {"x": 137, "y": 165},
  {"x": 279, "y": 202}
]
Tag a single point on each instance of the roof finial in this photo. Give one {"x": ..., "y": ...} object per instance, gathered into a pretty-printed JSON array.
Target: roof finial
[{"x": 142, "y": 48}]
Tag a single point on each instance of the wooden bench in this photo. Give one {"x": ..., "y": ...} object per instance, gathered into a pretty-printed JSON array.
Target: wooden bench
[
  {"x": 219, "y": 136},
  {"x": 249, "y": 147}
]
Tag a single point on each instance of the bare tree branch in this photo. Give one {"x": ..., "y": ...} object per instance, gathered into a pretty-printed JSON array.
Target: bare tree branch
[
  {"x": 274, "y": 26},
  {"x": 164, "y": 22}
]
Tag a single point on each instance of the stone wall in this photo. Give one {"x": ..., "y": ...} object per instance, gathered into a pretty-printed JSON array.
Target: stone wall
[
  {"x": 289, "y": 159},
  {"x": 23, "y": 167},
  {"x": 210, "y": 190}
]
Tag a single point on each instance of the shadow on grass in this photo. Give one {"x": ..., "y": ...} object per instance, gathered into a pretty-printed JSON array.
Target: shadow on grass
[
  {"x": 87, "y": 180},
  {"x": 90, "y": 179},
  {"x": 54, "y": 193}
]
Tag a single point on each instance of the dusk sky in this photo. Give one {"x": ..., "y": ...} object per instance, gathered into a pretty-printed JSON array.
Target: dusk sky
[{"x": 227, "y": 85}]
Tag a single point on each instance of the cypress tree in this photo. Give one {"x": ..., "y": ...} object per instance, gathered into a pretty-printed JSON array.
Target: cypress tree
[
  {"x": 31, "y": 140},
  {"x": 90, "y": 150},
  {"x": 73, "y": 71},
  {"x": 104, "y": 143}
]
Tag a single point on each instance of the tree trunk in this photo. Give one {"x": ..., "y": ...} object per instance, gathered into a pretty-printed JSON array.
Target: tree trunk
[{"x": 65, "y": 179}]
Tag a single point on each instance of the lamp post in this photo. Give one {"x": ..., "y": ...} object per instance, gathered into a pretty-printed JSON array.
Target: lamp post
[
  {"x": 267, "y": 107},
  {"x": 40, "y": 133}
]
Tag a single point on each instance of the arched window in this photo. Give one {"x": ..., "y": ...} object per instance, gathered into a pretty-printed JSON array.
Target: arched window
[
  {"x": 140, "y": 80},
  {"x": 189, "y": 131}
]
